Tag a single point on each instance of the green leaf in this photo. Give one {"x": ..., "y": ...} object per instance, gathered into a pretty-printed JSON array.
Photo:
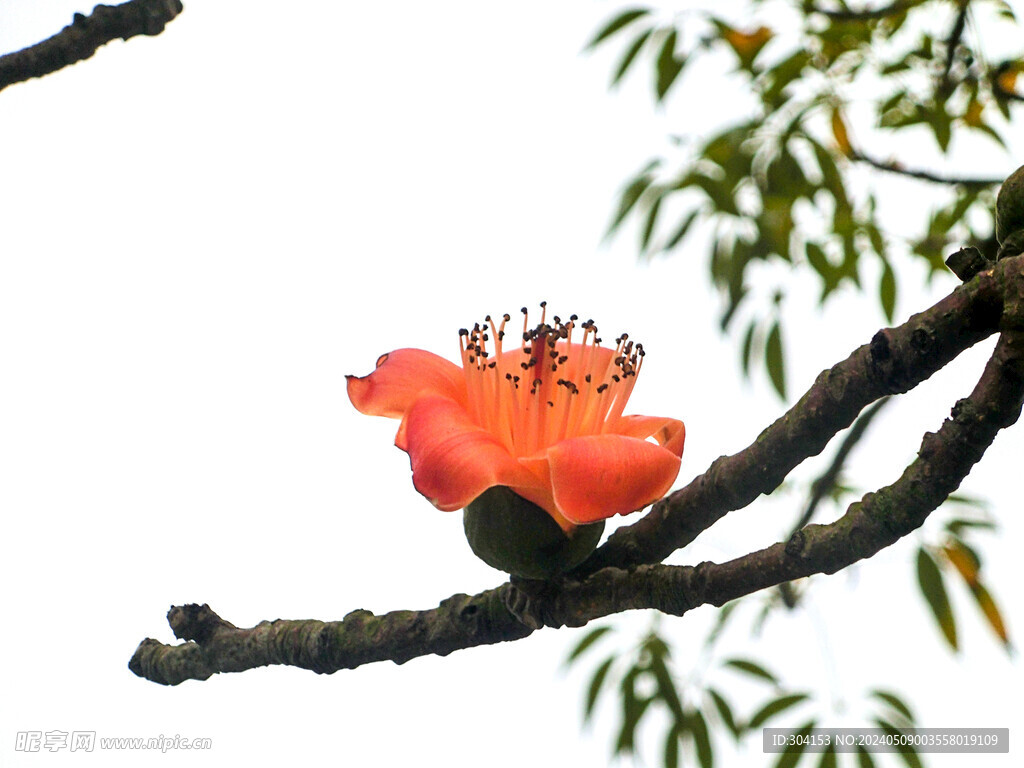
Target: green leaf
[
  {"x": 652, "y": 216},
  {"x": 774, "y": 360},
  {"x": 906, "y": 752},
  {"x": 929, "y": 578},
  {"x": 896, "y": 703},
  {"x": 887, "y": 291},
  {"x": 957, "y": 525},
  {"x": 775, "y": 707},
  {"x": 633, "y": 709},
  {"x": 681, "y": 231},
  {"x": 725, "y": 712},
  {"x": 782, "y": 75},
  {"x": 751, "y": 668},
  {"x": 667, "y": 687},
  {"x": 717, "y": 192},
  {"x": 672, "y": 748},
  {"x": 636, "y": 187},
  {"x": 828, "y": 757},
  {"x": 586, "y": 642},
  {"x": 790, "y": 757},
  {"x": 747, "y": 348},
  {"x": 594, "y": 689},
  {"x": 701, "y": 739},
  {"x": 864, "y": 759},
  {"x": 621, "y": 21},
  {"x": 630, "y": 56},
  {"x": 668, "y": 65}
]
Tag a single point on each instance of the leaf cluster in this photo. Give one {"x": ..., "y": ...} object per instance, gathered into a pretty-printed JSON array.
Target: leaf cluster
[
  {"x": 773, "y": 186},
  {"x": 952, "y": 553},
  {"x": 698, "y": 711}
]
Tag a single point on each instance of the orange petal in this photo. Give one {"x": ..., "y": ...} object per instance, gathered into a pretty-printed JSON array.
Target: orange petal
[
  {"x": 402, "y": 376},
  {"x": 595, "y": 477},
  {"x": 453, "y": 460},
  {"x": 670, "y": 433}
]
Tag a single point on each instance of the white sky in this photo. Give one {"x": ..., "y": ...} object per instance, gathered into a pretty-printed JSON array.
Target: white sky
[{"x": 203, "y": 232}]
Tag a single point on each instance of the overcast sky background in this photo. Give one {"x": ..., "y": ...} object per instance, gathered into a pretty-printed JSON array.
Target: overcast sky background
[{"x": 201, "y": 233}]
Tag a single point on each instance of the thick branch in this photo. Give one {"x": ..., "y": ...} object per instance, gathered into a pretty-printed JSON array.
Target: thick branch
[
  {"x": 216, "y": 645},
  {"x": 896, "y": 360},
  {"x": 514, "y": 610},
  {"x": 81, "y": 39}
]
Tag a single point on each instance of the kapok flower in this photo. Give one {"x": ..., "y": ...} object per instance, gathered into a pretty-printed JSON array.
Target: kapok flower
[{"x": 544, "y": 419}]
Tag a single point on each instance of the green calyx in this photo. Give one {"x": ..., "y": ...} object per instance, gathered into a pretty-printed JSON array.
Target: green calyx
[
  {"x": 516, "y": 536},
  {"x": 1010, "y": 214}
]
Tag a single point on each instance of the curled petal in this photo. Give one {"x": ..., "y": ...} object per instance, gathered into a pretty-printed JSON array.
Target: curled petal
[
  {"x": 595, "y": 477},
  {"x": 670, "y": 433},
  {"x": 402, "y": 376},
  {"x": 453, "y": 460}
]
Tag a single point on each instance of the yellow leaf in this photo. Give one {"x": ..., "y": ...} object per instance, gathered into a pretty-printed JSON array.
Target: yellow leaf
[
  {"x": 1007, "y": 79},
  {"x": 746, "y": 44},
  {"x": 842, "y": 136},
  {"x": 962, "y": 560},
  {"x": 988, "y": 607}
]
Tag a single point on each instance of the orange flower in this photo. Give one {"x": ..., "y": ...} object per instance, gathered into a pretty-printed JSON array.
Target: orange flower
[{"x": 543, "y": 419}]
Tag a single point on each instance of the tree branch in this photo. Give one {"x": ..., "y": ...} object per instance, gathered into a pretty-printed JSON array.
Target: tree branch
[
  {"x": 917, "y": 173},
  {"x": 81, "y": 39},
  {"x": 896, "y": 360}
]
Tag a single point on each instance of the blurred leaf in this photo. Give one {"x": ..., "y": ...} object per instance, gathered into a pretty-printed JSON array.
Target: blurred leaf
[
  {"x": 746, "y": 45},
  {"x": 630, "y": 56},
  {"x": 907, "y": 753},
  {"x": 964, "y": 559},
  {"x": 618, "y": 22},
  {"x": 701, "y": 739},
  {"x": 751, "y": 668},
  {"x": 636, "y": 187},
  {"x": 717, "y": 192},
  {"x": 887, "y": 291},
  {"x": 672, "y": 748},
  {"x": 747, "y": 347},
  {"x": 774, "y": 360},
  {"x": 896, "y": 703},
  {"x": 652, "y": 215},
  {"x": 586, "y": 642},
  {"x": 668, "y": 65},
  {"x": 957, "y": 525},
  {"x": 930, "y": 580},
  {"x": 790, "y": 757},
  {"x": 633, "y": 709},
  {"x": 864, "y": 759},
  {"x": 828, "y": 757},
  {"x": 773, "y": 708},
  {"x": 942, "y": 126},
  {"x": 991, "y": 611},
  {"x": 681, "y": 231},
  {"x": 840, "y": 133},
  {"x": 725, "y": 712},
  {"x": 667, "y": 687},
  {"x": 782, "y": 75},
  {"x": 594, "y": 689}
]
